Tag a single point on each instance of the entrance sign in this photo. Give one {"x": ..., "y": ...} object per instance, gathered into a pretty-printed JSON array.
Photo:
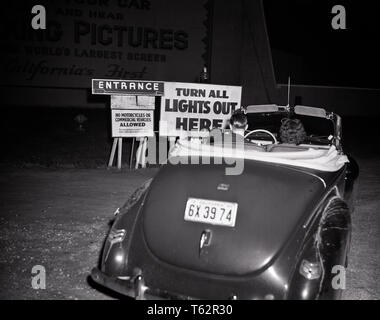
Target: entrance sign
[
  {"x": 196, "y": 107},
  {"x": 132, "y": 112},
  {"x": 132, "y": 123},
  {"x": 127, "y": 87}
]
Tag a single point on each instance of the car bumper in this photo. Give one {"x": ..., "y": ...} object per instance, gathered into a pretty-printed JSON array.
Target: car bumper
[{"x": 134, "y": 287}]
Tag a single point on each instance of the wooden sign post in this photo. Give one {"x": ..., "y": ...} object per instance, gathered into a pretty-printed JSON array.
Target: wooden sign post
[
  {"x": 116, "y": 142},
  {"x": 131, "y": 123},
  {"x": 132, "y": 111}
]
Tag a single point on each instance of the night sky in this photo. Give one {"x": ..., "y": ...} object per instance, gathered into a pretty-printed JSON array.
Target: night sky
[{"x": 305, "y": 46}]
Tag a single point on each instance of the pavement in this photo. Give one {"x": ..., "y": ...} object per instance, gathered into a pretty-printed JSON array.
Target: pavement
[
  {"x": 363, "y": 274},
  {"x": 58, "y": 219}
]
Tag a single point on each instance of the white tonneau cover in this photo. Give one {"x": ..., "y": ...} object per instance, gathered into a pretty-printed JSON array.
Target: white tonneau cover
[{"x": 329, "y": 160}]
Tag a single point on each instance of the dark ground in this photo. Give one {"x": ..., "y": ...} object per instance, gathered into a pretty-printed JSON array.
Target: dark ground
[{"x": 57, "y": 198}]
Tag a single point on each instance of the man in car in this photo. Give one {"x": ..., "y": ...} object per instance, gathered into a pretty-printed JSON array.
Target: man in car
[
  {"x": 239, "y": 123},
  {"x": 234, "y": 138}
]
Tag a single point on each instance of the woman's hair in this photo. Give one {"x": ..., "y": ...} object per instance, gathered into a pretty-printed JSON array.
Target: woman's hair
[
  {"x": 292, "y": 131},
  {"x": 239, "y": 120}
]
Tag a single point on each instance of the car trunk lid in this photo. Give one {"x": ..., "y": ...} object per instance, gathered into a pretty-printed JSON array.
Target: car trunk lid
[{"x": 273, "y": 200}]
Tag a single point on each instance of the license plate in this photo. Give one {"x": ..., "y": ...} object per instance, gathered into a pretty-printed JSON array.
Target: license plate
[{"x": 211, "y": 212}]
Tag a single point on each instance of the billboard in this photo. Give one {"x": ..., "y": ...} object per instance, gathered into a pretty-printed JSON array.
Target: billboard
[{"x": 104, "y": 39}]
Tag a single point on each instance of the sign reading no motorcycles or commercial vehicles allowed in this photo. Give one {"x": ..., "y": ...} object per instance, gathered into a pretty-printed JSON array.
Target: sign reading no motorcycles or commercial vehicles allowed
[{"x": 132, "y": 123}]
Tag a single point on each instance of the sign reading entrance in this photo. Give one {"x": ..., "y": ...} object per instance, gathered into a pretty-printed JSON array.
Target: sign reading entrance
[
  {"x": 196, "y": 107},
  {"x": 127, "y": 87},
  {"x": 132, "y": 110},
  {"x": 132, "y": 123}
]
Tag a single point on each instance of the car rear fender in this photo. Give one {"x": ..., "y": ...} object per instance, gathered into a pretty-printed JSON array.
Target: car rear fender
[
  {"x": 326, "y": 246},
  {"x": 114, "y": 257}
]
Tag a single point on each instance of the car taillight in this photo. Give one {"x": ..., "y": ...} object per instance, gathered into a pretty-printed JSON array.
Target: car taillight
[
  {"x": 116, "y": 236},
  {"x": 310, "y": 270}
]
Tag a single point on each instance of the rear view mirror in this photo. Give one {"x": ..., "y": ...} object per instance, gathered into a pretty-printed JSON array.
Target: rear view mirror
[
  {"x": 265, "y": 108},
  {"x": 310, "y": 111}
]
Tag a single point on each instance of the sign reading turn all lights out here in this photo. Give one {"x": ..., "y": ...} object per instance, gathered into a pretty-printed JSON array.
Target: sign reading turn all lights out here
[{"x": 195, "y": 107}]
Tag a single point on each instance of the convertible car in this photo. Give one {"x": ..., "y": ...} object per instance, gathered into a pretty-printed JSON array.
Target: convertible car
[{"x": 278, "y": 230}]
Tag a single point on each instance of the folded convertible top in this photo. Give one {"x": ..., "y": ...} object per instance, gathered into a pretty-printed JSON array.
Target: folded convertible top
[{"x": 329, "y": 160}]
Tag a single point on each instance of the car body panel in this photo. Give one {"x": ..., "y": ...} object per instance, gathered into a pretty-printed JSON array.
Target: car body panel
[{"x": 265, "y": 219}]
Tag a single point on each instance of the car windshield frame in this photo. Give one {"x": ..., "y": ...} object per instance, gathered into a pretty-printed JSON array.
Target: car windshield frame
[{"x": 307, "y": 111}]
